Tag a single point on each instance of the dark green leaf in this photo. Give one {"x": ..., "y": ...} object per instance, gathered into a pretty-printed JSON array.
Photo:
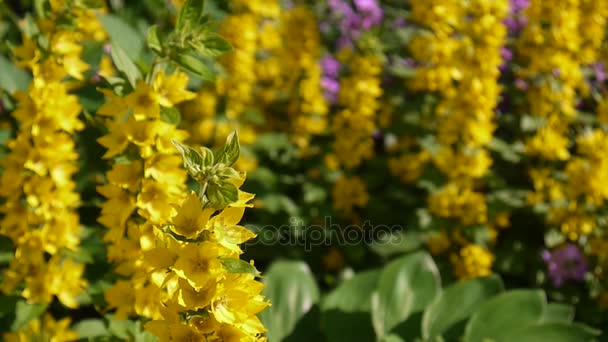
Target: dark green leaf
[
  {"x": 190, "y": 14},
  {"x": 234, "y": 265},
  {"x": 11, "y": 77},
  {"x": 405, "y": 287},
  {"x": 195, "y": 66},
  {"x": 170, "y": 115},
  {"x": 90, "y": 328},
  {"x": 123, "y": 35},
  {"x": 229, "y": 153},
  {"x": 25, "y": 312},
  {"x": 220, "y": 195},
  {"x": 153, "y": 40},
  {"x": 557, "y": 313},
  {"x": 193, "y": 160},
  {"x": 125, "y": 65},
  {"x": 509, "y": 311},
  {"x": 213, "y": 46},
  {"x": 456, "y": 303},
  {"x": 349, "y": 305},
  {"x": 554, "y": 332},
  {"x": 292, "y": 290}
]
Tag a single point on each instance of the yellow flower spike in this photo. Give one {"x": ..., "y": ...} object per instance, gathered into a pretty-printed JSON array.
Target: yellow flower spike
[
  {"x": 191, "y": 218},
  {"x": 154, "y": 201}
]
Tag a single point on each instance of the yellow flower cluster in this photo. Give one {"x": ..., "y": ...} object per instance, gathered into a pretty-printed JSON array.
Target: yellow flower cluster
[
  {"x": 39, "y": 207},
  {"x": 349, "y": 193},
  {"x": 472, "y": 261},
  {"x": 460, "y": 59},
  {"x": 549, "y": 48},
  {"x": 556, "y": 45},
  {"x": 354, "y": 124},
  {"x": 299, "y": 55},
  {"x": 45, "y": 329}
]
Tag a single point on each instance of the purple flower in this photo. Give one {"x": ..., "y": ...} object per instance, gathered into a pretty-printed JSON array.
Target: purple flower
[
  {"x": 565, "y": 263},
  {"x": 521, "y": 84},
  {"x": 329, "y": 81},
  {"x": 352, "y": 21},
  {"x": 506, "y": 55},
  {"x": 330, "y": 66},
  {"x": 599, "y": 71},
  {"x": 516, "y": 20}
]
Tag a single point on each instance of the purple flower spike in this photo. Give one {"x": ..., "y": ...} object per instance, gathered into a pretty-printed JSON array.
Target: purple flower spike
[{"x": 565, "y": 263}]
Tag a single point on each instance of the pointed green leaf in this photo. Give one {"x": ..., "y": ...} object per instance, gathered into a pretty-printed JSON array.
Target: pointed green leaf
[
  {"x": 213, "y": 45},
  {"x": 509, "y": 311},
  {"x": 229, "y": 153},
  {"x": 293, "y": 292},
  {"x": 25, "y": 312},
  {"x": 153, "y": 40},
  {"x": 190, "y": 14},
  {"x": 193, "y": 160},
  {"x": 123, "y": 35},
  {"x": 125, "y": 65},
  {"x": 456, "y": 304},
  {"x": 406, "y": 286},
  {"x": 91, "y": 328},
  {"x": 220, "y": 195},
  {"x": 170, "y": 115},
  {"x": 234, "y": 265},
  {"x": 554, "y": 332},
  {"x": 11, "y": 77},
  {"x": 350, "y": 304},
  {"x": 557, "y": 313},
  {"x": 195, "y": 66}
]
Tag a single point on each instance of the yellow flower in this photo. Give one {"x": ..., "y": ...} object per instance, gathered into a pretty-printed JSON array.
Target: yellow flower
[
  {"x": 199, "y": 264},
  {"x": 171, "y": 90},
  {"x": 472, "y": 261},
  {"x": 45, "y": 329},
  {"x": 191, "y": 218},
  {"x": 143, "y": 101}
]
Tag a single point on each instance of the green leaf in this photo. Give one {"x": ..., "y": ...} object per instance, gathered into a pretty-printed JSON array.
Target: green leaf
[
  {"x": 25, "y": 312},
  {"x": 350, "y": 305},
  {"x": 234, "y": 265},
  {"x": 207, "y": 155},
  {"x": 90, "y": 328},
  {"x": 554, "y": 332},
  {"x": 456, "y": 303},
  {"x": 220, "y": 195},
  {"x": 170, "y": 115},
  {"x": 558, "y": 313},
  {"x": 229, "y": 153},
  {"x": 405, "y": 287},
  {"x": 11, "y": 77},
  {"x": 123, "y": 35},
  {"x": 125, "y": 65},
  {"x": 153, "y": 40},
  {"x": 509, "y": 311},
  {"x": 293, "y": 291},
  {"x": 193, "y": 160},
  {"x": 213, "y": 46},
  {"x": 195, "y": 66},
  {"x": 190, "y": 14}
]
